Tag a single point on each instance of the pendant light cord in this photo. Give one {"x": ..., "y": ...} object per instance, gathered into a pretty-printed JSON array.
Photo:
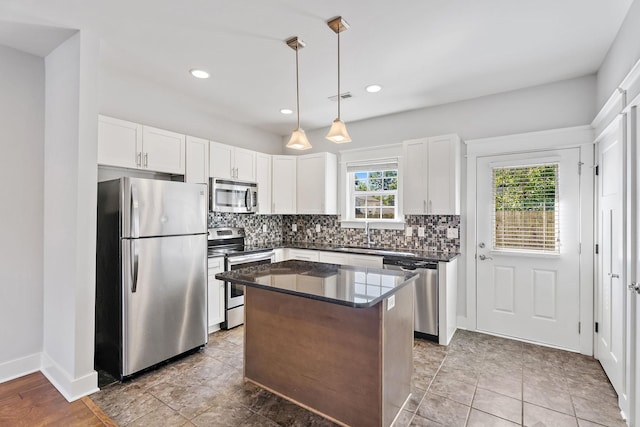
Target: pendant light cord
[
  {"x": 297, "y": 88},
  {"x": 339, "y": 71}
]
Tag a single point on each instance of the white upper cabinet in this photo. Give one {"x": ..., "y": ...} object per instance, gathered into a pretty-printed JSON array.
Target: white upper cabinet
[
  {"x": 197, "y": 166},
  {"x": 283, "y": 185},
  {"x": 263, "y": 178},
  {"x": 164, "y": 151},
  {"x": 230, "y": 162},
  {"x": 317, "y": 184},
  {"x": 119, "y": 143},
  {"x": 130, "y": 145},
  {"x": 431, "y": 183}
]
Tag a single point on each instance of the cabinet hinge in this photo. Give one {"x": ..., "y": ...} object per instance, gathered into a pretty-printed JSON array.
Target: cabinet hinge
[
  {"x": 597, "y": 249},
  {"x": 596, "y": 327}
]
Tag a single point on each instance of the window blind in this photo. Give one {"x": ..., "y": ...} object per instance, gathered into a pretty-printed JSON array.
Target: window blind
[{"x": 526, "y": 214}]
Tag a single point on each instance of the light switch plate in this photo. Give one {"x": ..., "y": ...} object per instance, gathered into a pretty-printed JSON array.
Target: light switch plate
[
  {"x": 420, "y": 231},
  {"x": 452, "y": 233},
  {"x": 294, "y": 227},
  {"x": 317, "y": 228},
  {"x": 264, "y": 228},
  {"x": 391, "y": 302},
  {"x": 408, "y": 231}
]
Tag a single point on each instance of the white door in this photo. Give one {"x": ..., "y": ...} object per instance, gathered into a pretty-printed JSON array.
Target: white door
[
  {"x": 220, "y": 156},
  {"x": 283, "y": 185},
  {"x": 119, "y": 143},
  {"x": 197, "y": 160},
  {"x": 528, "y": 259},
  {"x": 611, "y": 290},
  {"x": 245, "y": 164}
]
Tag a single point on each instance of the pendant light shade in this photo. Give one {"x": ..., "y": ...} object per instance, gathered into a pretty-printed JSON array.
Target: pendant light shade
[
  {"x": 338, "y": 132},
  {"x": 298, "y": 140}
]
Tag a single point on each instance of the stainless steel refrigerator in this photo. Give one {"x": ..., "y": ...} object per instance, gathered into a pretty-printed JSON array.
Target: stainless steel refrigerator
[{"x": 151, "y": 273}]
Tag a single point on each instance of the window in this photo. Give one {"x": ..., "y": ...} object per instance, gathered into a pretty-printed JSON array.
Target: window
[
  {"x": 526, "y": 208},
  {"x": 373, "y": 192}
]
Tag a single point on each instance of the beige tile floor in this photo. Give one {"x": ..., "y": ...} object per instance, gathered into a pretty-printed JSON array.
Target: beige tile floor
[{"x": 478, "y": 380}]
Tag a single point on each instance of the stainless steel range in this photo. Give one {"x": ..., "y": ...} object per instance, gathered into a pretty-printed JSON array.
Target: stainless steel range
[{"x": 229, "y": 241}]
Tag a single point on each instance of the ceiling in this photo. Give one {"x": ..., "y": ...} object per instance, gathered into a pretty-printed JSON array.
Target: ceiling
[{"x": 423, "y": 52}]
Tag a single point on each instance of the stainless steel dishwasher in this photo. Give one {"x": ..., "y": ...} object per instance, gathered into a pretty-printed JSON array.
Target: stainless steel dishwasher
[{"x": 425, "y": 312}]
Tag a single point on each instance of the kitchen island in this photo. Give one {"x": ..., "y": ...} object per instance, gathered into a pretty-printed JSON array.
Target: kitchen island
[{"x": 334, "y": 339}]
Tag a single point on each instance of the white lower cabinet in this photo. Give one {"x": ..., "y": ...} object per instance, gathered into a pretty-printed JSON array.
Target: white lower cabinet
[
  {"x": 278, "y": 254},
  {"x": 215, "y": 294},
  {"x": 302, "y": 254},
  {"x": 334, "y": 257},
  {"x": 365, "y": 260}
]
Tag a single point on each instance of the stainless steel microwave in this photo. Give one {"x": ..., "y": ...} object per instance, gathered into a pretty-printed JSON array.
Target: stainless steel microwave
[{"x": 232, "y": 196}]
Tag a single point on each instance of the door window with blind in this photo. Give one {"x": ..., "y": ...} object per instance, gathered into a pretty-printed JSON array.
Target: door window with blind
[
  {"x": 526, "y": 208},
  {"x": 373, "y": 191}
]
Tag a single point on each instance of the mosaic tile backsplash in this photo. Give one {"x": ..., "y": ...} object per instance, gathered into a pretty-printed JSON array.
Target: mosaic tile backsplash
[{"x": 279, "y": 228}]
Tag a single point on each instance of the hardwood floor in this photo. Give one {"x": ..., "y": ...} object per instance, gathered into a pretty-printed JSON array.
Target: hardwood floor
[{"x": 32, "y": 401}]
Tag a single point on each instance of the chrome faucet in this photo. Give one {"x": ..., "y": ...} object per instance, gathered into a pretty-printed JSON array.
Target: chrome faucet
[{"x": 368, "y": 234}]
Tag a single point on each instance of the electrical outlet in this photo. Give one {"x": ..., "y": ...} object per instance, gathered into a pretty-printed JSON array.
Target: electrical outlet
[
  {"x": 317, "y": 228},
  {"x": 391, "y": 302},
  {"x": 408, "y": 231},
  {"x": 420, "y": 231},
  {"x": 452, "y": 233},
  {"x": 264, "y": 228},
  {"x": 294, "y": 227}
]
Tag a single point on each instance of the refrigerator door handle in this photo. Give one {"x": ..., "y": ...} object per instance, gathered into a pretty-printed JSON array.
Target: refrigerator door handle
[
  {"x": 135, "y": 214},
  {"x": 134, "y": 272}
]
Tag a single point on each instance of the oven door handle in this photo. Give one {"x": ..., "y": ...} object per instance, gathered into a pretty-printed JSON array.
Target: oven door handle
[{"x": 242, "y": 259}]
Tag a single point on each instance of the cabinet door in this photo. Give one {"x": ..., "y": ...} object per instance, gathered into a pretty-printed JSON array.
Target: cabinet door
[
  {"x": 303, "y": 254},
  {"x": 333, "y": 258},
  {"x": 245, "y": 164},
  {"x": 365, "y": 261},
  {"x": 414, "y": 180},
  {"x": 215, "y": 297},
  {"x": 263, "y": 178},
  {"x": 197, "y": 160},
  {"x": 317, "y": 177},
  {"x": 163, "y": 151},
  {"x": 283, "y": 186},
  {"x": 220, "y": 157},
  {"x": 119, "y": 143},
  {"x": 443, "y": 175}
]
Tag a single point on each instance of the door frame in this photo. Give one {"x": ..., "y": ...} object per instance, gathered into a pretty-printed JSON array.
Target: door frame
[{"x": 574, "y": 137}]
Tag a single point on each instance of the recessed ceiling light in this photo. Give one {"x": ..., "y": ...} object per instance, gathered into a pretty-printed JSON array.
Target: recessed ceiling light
[
  {"x": 200, "y": 74},
  {"x": 286, "y": 111},
  {"x": 373, "y": 88}
]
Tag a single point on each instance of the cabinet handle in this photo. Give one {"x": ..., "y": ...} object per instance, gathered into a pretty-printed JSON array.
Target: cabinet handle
[
  {"x": 139, "y": 159},
  {"x": 430, "y": 206},
  {"x": 424, "y": 206},
  {"x": 146, "y": 160},
  {"x": 273, "y": 208}
]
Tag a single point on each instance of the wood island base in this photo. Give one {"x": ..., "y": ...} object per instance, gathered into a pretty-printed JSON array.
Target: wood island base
[{"x": 350, "y": 365}]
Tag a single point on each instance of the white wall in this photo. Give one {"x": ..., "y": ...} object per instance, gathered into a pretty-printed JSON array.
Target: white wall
[
  {"x": 622, "y": 55},
  {"x": 556, "y": 105},
  {"x": 142, "y": 101},
  {"x": 70, "y": 177},
  {"x": 21, "y": 218}
]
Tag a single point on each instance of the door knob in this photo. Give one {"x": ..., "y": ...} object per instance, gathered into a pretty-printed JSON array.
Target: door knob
[{"x": 484, "y": 257}]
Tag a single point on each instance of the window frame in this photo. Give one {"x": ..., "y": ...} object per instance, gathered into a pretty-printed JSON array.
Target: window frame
[
  {"x": 370, "y": 159},
  {"x": 351, "y": 205}
]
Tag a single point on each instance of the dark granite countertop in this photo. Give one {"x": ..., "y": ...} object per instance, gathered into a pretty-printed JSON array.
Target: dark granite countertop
[
  {"x": 387, "y": 252},
  {"x": 358, "y": 287}
]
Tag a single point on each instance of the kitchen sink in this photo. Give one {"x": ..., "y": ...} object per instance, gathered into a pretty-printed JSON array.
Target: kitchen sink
[{"x": 372, "y": 251}]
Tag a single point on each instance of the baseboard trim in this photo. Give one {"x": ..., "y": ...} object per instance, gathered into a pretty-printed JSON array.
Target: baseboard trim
[
  {"x": 72, "y": 389},
  {"x": 20, "y": 367}
]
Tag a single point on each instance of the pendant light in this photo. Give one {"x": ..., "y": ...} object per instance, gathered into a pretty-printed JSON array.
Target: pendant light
[
  {"x": 298, "y": 139},
  {"x": 338, "y": 132}
]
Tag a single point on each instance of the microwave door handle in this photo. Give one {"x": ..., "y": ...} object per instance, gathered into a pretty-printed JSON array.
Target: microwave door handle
[{"x": 247, "y": 199}]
